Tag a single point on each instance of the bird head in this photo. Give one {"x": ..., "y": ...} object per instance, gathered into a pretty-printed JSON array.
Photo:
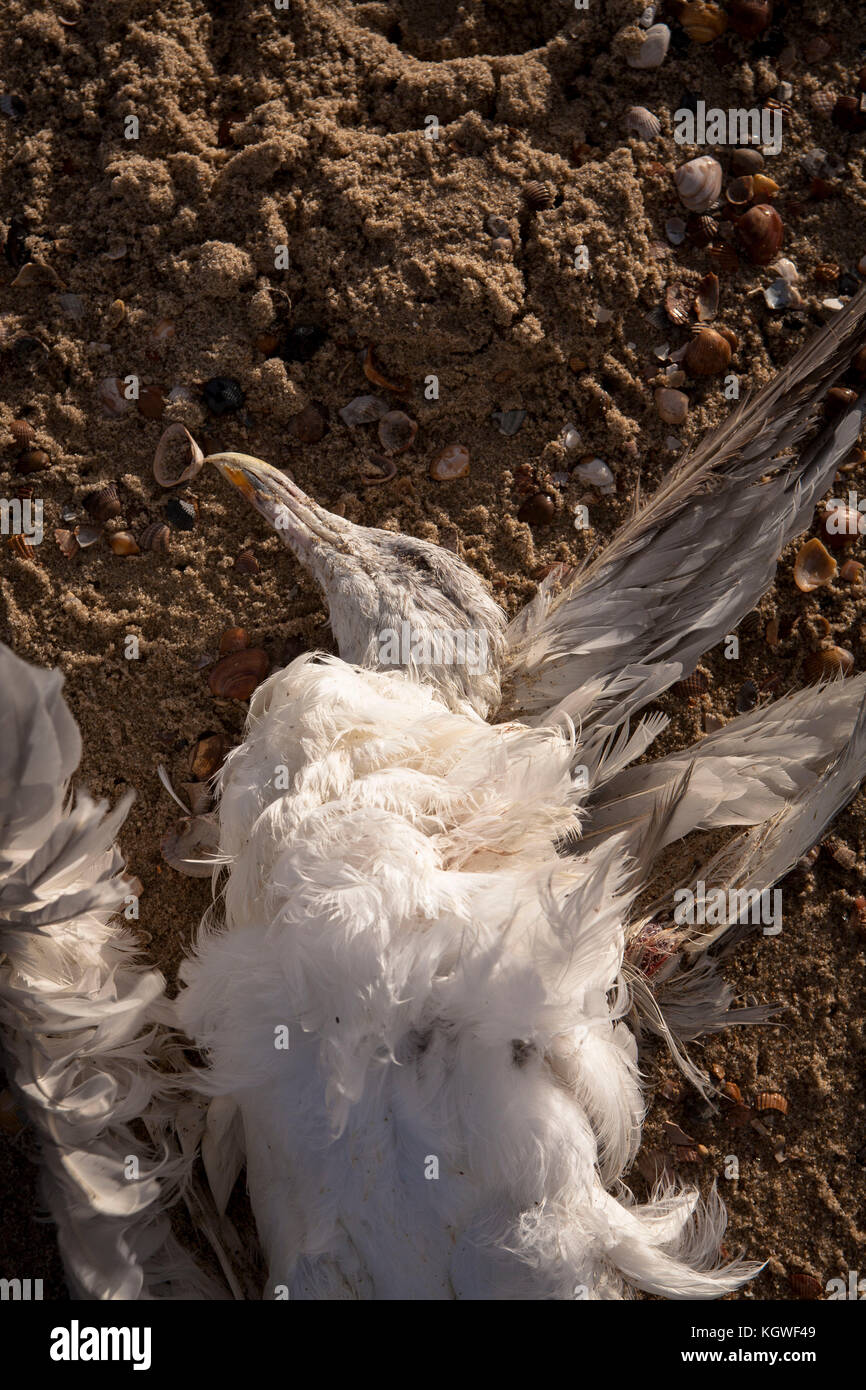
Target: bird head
[{"x": 393, "y": 601}]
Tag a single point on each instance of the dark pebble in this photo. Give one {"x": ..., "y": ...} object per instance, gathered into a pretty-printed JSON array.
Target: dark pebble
[
  {"x": 223, "y": 395},
  {"x": 302, "y": 342},
  {"x": 537, "y": 510}
]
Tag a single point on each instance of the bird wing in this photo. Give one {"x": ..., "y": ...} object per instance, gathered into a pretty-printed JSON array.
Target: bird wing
[{"x": 691, "y": 561}]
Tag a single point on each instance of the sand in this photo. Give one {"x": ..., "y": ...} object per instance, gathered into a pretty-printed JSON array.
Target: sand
[{"x": 308, "y": 129}]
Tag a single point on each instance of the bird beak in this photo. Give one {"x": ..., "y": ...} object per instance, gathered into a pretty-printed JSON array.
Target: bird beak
[{"x": 301, "y": 523}]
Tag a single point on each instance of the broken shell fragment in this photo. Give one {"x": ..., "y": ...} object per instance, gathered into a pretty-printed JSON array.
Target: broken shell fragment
[
  {"x": 386, "y": 469},
  {"x": 678, "y": 304},
  {"x": 852, "y": 572},
  {"x": 111, "y": 396},
  {"x": 191, "y": 847},
  {"x": 828, "y": 664},
  {"x": 207, "y": 756},
  {"x": 124, "y": 543},
  {"x": 452, "y": 462},
  {"x": 397, "y": 431},
  {"x": 400, "y": 385},
  {"x": 595, "y": 472},
  {"x": 672, "y": 406},
  {"x": 192, "y": 462},
  {"x": 234, "y": 639},
  {"x": 813, "y": 567},
  {"x": 66, "y": 541},
  {"x": 771, "y": 1100},
  {"x": 236, "y": 676},
  {"x": 642, "y": 123},
  {"x": 699, "y": 183},
  {"x": 87, "y": 536},
  {"x": 364, "y": 410},
  {"x": 707, "y": 298},
  {"x": 310, "y": 425},
  {"x": 508, "y": 421},
  {"x": 246, "y": 563},
  {"x": 749, "y": 18}
]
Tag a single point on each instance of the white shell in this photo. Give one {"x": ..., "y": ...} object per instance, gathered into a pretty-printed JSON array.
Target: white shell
[
  {"x": 652, "y": 52},
  {"x": 699, "y": 183},
  {"x": 641, "y": 122},
  {"x": 675, "y": 231},
  {"x": 787, "y": 270},
  {"x": 597, "y": 474},
  {"x": 672, "y": 406}
]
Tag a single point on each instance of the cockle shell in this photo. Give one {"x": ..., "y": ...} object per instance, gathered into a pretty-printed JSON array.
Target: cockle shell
[
  {"x": 703, "y": 22},
  {"x": 642, "y": 123},
  {"x": 654, "y": 49},
  {"x": 699, "y": 183},
  {"x": 813, "y": 567}
]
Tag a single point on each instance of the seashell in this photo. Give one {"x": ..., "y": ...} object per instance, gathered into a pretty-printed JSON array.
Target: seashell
[
  {"x": 124, "y": 543},
  {"x": 497, "y": 226},
  {"x": 703, "y": 22},
  {"x": 87, "y": 536},
  {"x": 781, "y": 295},
  {"x": 115, "y": 252},
  {"x": 702, "y": 229},
  {"x": 764, "y": 187},
  {"x": 750, "y": 18},
  {"x": 151, "y": 402},
  {"x": 771, "y": 1100},
  {"x": 399, "y": 386},
  {"x": 310, "y": 425},
  {"x": 32, "y": 461},
  {"x": 234, "y": 639},
  {"x": 181, "y": 512},
  {"x": 858, "y": 365},
  {"x": 508, "y": 421},
  {"x": 837, "y": 400},
  {"x": 787, "y": 270},
  {"x": 190, "y": 848},
  {"x": 740, "y": 1116},
  {"x": 746, "y": 160},
  {"x": 675, "y": 231},
  {"x": 849, "y": 113},
  {"x": 364, "y": 410},
  {"x": 747, "y": 697},
  {"x": 156, "y": 536},
  {"x": 707, "y": 298},
  {"x": 207, "y": 755},
  {"x": 823, "y": 103},
  {"x": 267, "y": 344},
  {"x": 33, "y": 274},
  {"x": 451, "y": 463},
  {"x": 223, "y": 395},
  {"x": 537, "y": 510},
  {"x": 816, "y": 48},
  {"x": 641, "y": 122},
  {"x": 595, "y": 473},
  {"x": 733, "y": 1092},
  {"x": 723, "y": 259},
  {"x": 699, "y": 183},
  {"x": 707, "y": 353},
  {"x": 199, "y": 797},
  {"x": 193, "y": 460},
  {"x": 842, "y": 853},
  {"x": 857, "y": 916},
  {"x": 804, "y": 1285},
  {"x": 103, "y": 503},
  {"x": 695, "y": 684},
  {"x": 236, "y": 676},
  {"x": 396, "y": 431},
  {"x": 762, "y": 231},
  {"x": 653, "y": 50},
  {"x": 828, "y": 664},
  {"x": 678, "y": 304},
  {"x": 386, "y": 469},
  {"x": 826, "y": 272},
  {"x": 852, "y": 572},
  {"x": 66, "y": 542},
  {"x": 115, "y": 314},
  {"x": 538, "y": 195},
  {"x": 740, "y": 190},
  {"x": 672, "y": 406},
  {"x": 813, "y": 567},
  {"x": 246, "y": 563},
  {"x": 22, "y": 432},
  {"x": 110, "y": 395}
]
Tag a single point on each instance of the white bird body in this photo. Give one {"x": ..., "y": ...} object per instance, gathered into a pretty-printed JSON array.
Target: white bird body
[{"x": 413, "y": 1005}]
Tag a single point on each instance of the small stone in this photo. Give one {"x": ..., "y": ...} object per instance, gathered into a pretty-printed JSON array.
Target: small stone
[
  {"x": 223, "y": 395},
  {"x": 595, "y": 472},
  {"x": 537, "y": 510},
  {"x": 302, "y": 342},
  {"x": 508, "y": 421}
]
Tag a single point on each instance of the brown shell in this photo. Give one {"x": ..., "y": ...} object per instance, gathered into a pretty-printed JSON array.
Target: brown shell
[
  {"x": 67, "y": 542},
  {"x": 733, "y": 1092},
  {"x": 764, "y": 187},
  {"x": 310, "y": 425},
  {"x": 537, "y": 510},
  {"x": 746, "y": 161},
  {"x": 192, "y": 466},
  {"x": 399, "y": 385},
  {"x": 762, "y": 233},
  {"x": 103, "y": 503},
  {"x": 826, "y": 272},
  {"x": 837, "y": 400},
  {"x": 156, "y": 536},
  {"x": 22, "y": 432},
  {"x": 538, "y": 195},
  {"x": 207, "y": 755},
  {"x": 804, "y": 1285},
  {"x": 397, "y": 430},
  {"x": 246, "y": 563},
  {"x": 702, "y": 229},
  {"x": 707, "y": 354},
  {"x": 771, "y": 1100},
  {"x": 151, "y": 402},
  {"x": 234, "y": 639},
  {"x": 678, "y": 304},
  {"x": 740, "y": 190},
  {"x": 852, "y": 572},
  {"x": 236, "y": 676},
  {"x": 21, "y": 547},
  {"x": 452, "y": 462},
  {"x": 124, "y": 543},
  {"x": 827, "y": 664},
  {"x": 723, "y": 258},
  {"x": 740, "y": 1116},
  {"x": 707, "y": 298},
  {"x": 813, "y": 567},
  {"x": 840, "y": 527},
  {"x": 702, "y": 21},
  {"x": 842, "y": 853},
  {"x": 695, "y": 684},
  {"x": 384, "y": 469},
  {"x": 849, "y": 113},
  {"x": 749, "y": 18},
  {"x": 33, "y": 461}
]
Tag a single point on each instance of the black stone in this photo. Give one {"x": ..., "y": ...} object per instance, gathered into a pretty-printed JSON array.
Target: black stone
[
  {"x": 223, "y": 395},
  {"x": 302, "y": 342}
]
